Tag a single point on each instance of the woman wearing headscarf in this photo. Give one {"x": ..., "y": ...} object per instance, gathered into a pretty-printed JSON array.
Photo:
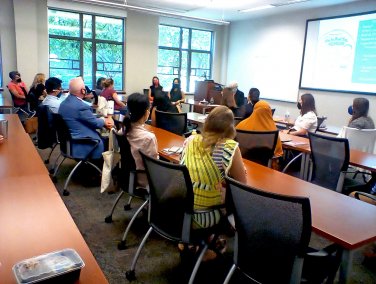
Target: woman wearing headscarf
[{"x": 261, "y": 119}]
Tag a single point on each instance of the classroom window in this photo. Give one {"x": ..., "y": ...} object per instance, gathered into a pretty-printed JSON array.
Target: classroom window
[
  {"x": 186, "y": 54},
  {"x": 87, "y": 45}
]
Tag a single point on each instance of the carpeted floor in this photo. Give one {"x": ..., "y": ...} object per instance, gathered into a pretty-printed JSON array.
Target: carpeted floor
[{"x": 160, "y": 260}]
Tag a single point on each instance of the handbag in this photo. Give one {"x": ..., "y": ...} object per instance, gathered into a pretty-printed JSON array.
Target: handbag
[
  {"x": 110, "y": 159},
  {"x": 31, "y": 125}
]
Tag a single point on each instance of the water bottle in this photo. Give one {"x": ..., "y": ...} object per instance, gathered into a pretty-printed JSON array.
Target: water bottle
[
  {"x": 211, "y": 100},
  {"x": 287, "y": 116}
]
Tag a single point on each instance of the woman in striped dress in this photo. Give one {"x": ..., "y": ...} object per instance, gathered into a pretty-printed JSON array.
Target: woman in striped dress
[{"x": 209, "y": 157}]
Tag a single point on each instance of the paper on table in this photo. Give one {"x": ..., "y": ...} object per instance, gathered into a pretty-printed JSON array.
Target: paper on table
[{"x": 295, "y": 143}]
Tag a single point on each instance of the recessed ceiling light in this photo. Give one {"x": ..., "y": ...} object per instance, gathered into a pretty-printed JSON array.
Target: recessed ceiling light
[{"x": 257, "y": 8}]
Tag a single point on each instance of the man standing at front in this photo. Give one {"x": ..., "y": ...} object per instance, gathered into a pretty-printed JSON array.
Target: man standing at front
[{"x": 81, "y": 121}]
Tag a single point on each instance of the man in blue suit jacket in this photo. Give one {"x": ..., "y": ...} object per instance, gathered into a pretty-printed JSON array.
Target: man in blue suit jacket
[{"x": 81, "y": 121}]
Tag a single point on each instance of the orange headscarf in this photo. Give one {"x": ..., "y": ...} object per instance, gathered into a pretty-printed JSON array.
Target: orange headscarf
[{"x": 261, "y": 119}]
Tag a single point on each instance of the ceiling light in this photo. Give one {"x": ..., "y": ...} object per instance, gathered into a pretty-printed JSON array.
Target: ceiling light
[
  {"x": 151, "y": 11},
  {"x": 257, "y": 8}
]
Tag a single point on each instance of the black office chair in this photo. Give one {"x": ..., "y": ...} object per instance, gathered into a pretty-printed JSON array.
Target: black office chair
[
  {"x": 237, "y": 119},
  {"x": 320, "y": 121},
  {"x": 66, "y": 142},
  {"x": 47, "y": 135},
  {"x": 127, "y": 179},
  {"x": 257, "y": 146},
  {"x": 173, "y": 122},
  {"x": 273, "y": 111},
  {"x": 272, "y": 233},
  {"x": 330, "y": 161},
  {"x": 171, "y": 209}
]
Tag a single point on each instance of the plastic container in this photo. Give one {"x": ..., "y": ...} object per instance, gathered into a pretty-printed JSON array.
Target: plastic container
[{"x": 62, "y": 266}]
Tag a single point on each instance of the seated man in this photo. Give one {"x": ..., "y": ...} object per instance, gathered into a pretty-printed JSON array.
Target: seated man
[
  {"x": 253, "y": 98},
  {"x": 81, "y": 121},
  {"x": 18, "y": 90},
  {"x": 53, "y": 89}
]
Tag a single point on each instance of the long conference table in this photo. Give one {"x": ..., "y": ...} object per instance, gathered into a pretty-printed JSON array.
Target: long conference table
[
  {"x": 343, "y": 220},
  {"x": 33, "y": 217}
]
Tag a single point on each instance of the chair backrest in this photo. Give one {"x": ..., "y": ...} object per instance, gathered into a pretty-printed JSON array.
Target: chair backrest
[
  {"x": 257, "y": 146},
  {"x": 173, "y": 122},
  {"x": 361, "y": 139},
  {"x": 330, "y": 156},
  {"x": 320, "y": 121},
  {"x": 63, "y": 134},
  {"x": 271, "y": 231},
  {"x": 273, "y": 111},
  {"x": 171, "y": 198},
  {"x": 128, "y": 163},
  {"x": 146, "y": 92},
  {"x": 46, "y": 128},
  {"x": 237, "y": 119}
]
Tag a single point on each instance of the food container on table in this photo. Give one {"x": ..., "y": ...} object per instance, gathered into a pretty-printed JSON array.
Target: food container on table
[{"x": 62, "y": 266}]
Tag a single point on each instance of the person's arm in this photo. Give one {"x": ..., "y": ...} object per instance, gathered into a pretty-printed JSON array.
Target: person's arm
[
  {"x": 149, "y": 94},
  {"x": 88, "y": 118},
  {"x": 182, "y": 97},
  {"x": 14, "y": 92},
  {"x": 237, "y": 170},
  {"x": 300, "y": 132},
  {"x": 117, "y": 100}
]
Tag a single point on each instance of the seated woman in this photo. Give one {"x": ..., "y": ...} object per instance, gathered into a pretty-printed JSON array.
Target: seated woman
[
  {"x": 37, "y": 91},
  {"x": 228, "y": 99},
  {"x": 208, "y": 158},
  {"x": 110, "y": 95},
  {"x": 162, "y": 102},
  {"x": 360, "y": 118},
  {"x": 138, "y": 137},
  {"x": 261, "y": 119},
  {"x": 176, "y": 95},
  {"x": 307, "y": 120}
]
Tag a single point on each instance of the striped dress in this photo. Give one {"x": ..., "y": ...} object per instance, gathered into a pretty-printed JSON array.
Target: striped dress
[{"x": 207, "y": 170}]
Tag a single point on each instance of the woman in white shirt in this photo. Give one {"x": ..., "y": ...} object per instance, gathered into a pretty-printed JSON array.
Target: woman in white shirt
[{"x": 307, "y": 120}]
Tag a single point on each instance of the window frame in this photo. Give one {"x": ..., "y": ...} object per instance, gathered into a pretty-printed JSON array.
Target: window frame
[
  {"x": 189, "y": 51},
  {"x": 93, "y": 40}
]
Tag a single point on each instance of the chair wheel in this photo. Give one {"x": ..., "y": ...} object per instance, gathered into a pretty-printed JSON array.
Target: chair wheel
[
  {"x": 47, "y": 161},
  {"x": 108, "y": 219},
  {"x": 66, "y": 192},
  {"x": 130, "y": 275},
  {"x": 127, "y": 207},
  {"x": 54, "y": 179},
  {"x": 122, "y": 246}
]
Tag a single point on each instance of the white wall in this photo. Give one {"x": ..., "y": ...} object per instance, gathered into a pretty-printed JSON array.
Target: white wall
[
  {"x": 7, "y": 40},
  {"x": 24, "y": 40},
  {"x": 262, "y": 42},
  {"x": 141, "y": 50}
]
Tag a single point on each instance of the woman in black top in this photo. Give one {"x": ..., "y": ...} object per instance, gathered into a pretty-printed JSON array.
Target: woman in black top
[
  {"x": 176, "y": 95},
  {"x": 155, "y": 86},
  {"x": 37, "y": 91}
]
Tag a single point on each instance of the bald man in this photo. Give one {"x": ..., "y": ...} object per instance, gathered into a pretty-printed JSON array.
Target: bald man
[{"x": 81, "y": 121}]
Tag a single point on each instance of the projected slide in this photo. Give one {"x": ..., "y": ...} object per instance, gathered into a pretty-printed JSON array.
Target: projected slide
[{"x": 340, "y": 54}]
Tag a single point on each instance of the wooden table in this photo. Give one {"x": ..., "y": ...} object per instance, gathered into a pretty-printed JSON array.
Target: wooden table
[
  {"x": 344, "y": 220},
  {"x": 33, "y": 218},
  {"x": 192, "y": 103},
  {"x": 358, "y": 158},
  {"x": 6, "y": 105}
]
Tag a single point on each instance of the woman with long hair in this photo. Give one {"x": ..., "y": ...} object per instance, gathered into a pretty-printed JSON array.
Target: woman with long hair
[
  {"x": 37, "y": 91},
  {"x": 307, "y": 120},
  {"x": 228, "y": 98},
  {"x": 360, "y": 118},
  {"x": 155, "y": 87},
  {"x": 176, "y": 95},
  {"x": 209, "y": 157},
  {"x": 138, "y": 137},
  {"x": 110, "y": 95}
]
